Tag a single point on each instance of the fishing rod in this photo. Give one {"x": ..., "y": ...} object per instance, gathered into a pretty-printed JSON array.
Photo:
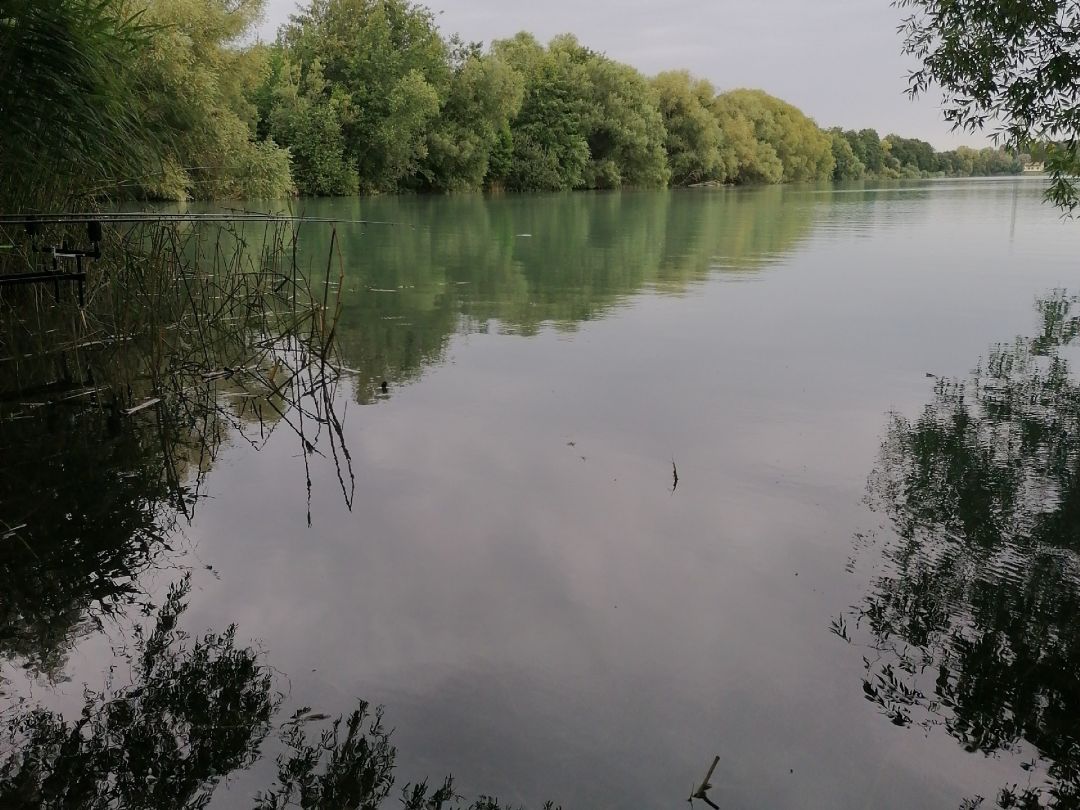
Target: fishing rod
[{"x": 136, "y": 217}]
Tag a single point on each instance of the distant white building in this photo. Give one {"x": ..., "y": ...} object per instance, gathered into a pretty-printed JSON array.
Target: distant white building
[{"x": 1035, "y": 168}]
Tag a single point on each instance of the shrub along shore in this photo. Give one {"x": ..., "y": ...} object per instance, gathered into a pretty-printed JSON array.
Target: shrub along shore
[{"x": 173, "y": 100}]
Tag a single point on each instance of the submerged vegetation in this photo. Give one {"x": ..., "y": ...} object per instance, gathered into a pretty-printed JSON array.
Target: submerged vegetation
[{"x": 172, "y": 100}]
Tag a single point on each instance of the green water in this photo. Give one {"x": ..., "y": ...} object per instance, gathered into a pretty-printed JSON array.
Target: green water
[{"x": 863, "y": 591}]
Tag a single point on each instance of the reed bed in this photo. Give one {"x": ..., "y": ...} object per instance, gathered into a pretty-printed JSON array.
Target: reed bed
[{"x": 200, "y": 329}]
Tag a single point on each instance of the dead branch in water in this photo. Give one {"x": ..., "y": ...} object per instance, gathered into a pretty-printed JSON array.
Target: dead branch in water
[{"x": 705, "y": 786}]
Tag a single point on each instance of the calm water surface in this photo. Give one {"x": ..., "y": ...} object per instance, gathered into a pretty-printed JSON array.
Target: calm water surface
[{"x": 863, "y": 592}]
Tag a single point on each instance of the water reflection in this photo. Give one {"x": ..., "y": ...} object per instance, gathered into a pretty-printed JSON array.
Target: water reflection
[
  {"x": 85, "y": 510},
  {"x": 201, "y": 335},
  {"x": 492, "y": 579},
  {"x": 972, "y": 625},
  {"x": 195, "y": 711},
  {"x": 111, "y": 416},
  {"x": 114, "y": 418},
  {"x": 514, "y": 264}
]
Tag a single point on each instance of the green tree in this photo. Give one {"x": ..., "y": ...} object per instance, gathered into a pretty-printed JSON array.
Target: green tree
[
  {"x": 912, "y": 152},
  {"x": 550, "y": 143},
  {"x": 867, "y": 146},
  {"x": 626, "y": 134},
  {"x": 387, "y": 59},
  {"x": 743, "y": 157},
  {"x": 788, "y": 147},
  {"x": 195, "y": 86},
  {"x": 307, "y": 116},
  {"x": 1013, "y": 65},
  {"x": 848, "y": 166},
  {"x": 967, "y": 162},
  {"x": 585, "y": 121},
  {"x": 124, "y": 97},
  {"x": 693, "y": 134},
  {"x": 484, "y": 95},
  {"x": 999, "y": 161}
]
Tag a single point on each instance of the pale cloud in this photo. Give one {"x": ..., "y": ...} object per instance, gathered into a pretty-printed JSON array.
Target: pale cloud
[{"x": 838, "y": 60}]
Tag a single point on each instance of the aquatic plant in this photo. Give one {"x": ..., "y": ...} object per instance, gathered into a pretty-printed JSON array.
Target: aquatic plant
[{"x": 113, "y": 413}]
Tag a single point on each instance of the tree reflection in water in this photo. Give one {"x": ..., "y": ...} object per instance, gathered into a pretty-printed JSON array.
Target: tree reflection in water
[
  {"x": 109, "y": 421},
  {"x": 973, "y": 625},
  {"x": 195, "y": 711},
  {"x": 111, "y": 415}
]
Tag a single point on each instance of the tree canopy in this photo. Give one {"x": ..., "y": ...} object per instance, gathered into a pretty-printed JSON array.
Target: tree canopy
[
  {"x": 194, "y": 86},
  {"x": 693, "y": 134},
  {"x": 787, "y": 146},
  {"x": 1015, "y": 66},
  {"x": 894, "y": 157},
  {"x": 172, "y": 99}
]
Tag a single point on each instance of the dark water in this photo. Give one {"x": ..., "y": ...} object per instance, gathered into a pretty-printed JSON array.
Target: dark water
[{"x": 863, "y": 592}]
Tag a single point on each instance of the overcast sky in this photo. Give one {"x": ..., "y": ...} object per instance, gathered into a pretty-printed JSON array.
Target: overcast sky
[{"x": 838, "y": 60}]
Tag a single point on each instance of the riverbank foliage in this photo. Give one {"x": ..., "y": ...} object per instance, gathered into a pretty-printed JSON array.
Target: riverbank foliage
[
  {"x": 1013, "y": 67},
  {"x": 174, "y": 99}
]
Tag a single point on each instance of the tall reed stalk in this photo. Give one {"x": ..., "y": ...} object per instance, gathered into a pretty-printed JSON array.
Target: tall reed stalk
[
  {"x": 67, "y": 81},
  {"x": 210, "y": 327}
]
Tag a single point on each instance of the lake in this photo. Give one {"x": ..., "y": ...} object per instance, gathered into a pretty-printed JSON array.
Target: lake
[{"x": 785, "y": 476}]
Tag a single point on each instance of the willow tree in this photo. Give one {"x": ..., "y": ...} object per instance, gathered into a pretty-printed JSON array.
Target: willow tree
[
  {"x": 868, "y": 148},
  {"x": 550, "y": 142},
  {"x": 1015, "y": 66},
  {"x": 913, "y": 152},
  {"x": 693, "y": 133},
  {"x": 626, "y": 134},
  {"x": 967, "y": 162},
  {"x": 306, "y": 115},
  {"x": 744, "y": 157},
  {"x": 483, "y": 96},
  {"x": 585, "y": 121},
  {"x": 194, "y": 84},
  {"x": 848, "y": 166},
  {"x": 803, "y": 151}
]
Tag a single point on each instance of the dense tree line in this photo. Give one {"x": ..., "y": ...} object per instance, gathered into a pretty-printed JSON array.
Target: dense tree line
[
  {"x": 171, "y": 99},
  {"x": 865, "y": 154}
]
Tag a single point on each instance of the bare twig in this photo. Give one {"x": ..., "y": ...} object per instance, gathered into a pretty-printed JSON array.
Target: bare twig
[{"x": 703, "y": 789}]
